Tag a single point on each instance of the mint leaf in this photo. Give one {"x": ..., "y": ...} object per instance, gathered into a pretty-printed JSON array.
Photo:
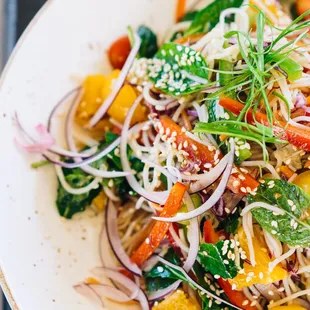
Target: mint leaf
[
  {"x": 292, "y": 228},
  {"x": 207, "y": 18},
  {"x": 214, "y": 258},
  {"x": 176, "y": 68}
]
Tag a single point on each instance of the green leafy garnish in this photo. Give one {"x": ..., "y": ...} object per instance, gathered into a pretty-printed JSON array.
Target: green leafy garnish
[
  {"x": 178, "y": 70},
  {"x": 207, "y": 18},
  {"x": 292, "y": 228},
  {"x": 69, "y": 204},
  {"x": 40, "y": 164},
  {"x": 149, "y": 45},
  {"x": 214, "y": 258}
]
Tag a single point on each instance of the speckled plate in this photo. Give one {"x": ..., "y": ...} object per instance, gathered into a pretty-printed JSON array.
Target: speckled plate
[{"x": 42, "y": 255}]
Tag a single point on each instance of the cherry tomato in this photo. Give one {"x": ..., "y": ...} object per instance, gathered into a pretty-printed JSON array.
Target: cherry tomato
[{"x": 119, "y": 52}]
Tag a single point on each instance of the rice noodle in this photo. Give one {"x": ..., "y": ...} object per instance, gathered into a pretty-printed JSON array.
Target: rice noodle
[
  {"x": 289, "y": 298},
  {"x": 274, "y": 245},
  {"x": 262, "y": 205},
  {"x": 248, "y": 230},
  {"x": 261, "y": 163},
  {"x": 281, "y": 258}
]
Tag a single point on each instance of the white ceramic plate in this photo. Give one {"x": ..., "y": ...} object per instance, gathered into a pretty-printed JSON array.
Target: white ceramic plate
[{"x": 41, "y": 255}]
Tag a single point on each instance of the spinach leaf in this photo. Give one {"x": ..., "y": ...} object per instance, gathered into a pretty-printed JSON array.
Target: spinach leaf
[
  {"x": 160, "y": 276},
  {"x": 189, "y": 16},
  {"x": 292, "y": 228},
  {"x": 207, "y": 18},
  {"x": 216, "y": 258},
  {"x": 149, "y": 45},
  {"x": 175, "y": 70},
  {"x": 69, "y": 204}
]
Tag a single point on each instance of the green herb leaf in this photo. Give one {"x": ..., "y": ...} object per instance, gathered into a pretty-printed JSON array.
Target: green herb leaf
[
  {"x": 216, "y": 261},
  {"x": 69, "y": 204},
  {"x": 189, "y": 16},
  {"x": 149, "y": 45},
  {"x": 207, "y": 18},
  {"x": 176, "y": 69},
  {"x": 292, "y": 228},
  {"x": 231, "y": 223},
  {"x": 160, "y": 276}
]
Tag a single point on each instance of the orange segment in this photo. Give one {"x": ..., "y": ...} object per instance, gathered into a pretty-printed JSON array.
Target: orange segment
[{"x": 260, "y": 273}]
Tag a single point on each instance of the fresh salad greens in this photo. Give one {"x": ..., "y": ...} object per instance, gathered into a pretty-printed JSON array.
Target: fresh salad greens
[
  {"x": 292, "y": 228},
  {"x": 149, "y": 45},
  {"x": 178, "y": 70}
]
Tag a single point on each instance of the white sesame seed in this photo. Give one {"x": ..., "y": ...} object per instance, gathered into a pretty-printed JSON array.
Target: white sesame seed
[
  {"x": 273, "y": 232},
  {"x": 234, "y": 286},
  {"x": 245, "y": 303},
  {"x": 160, "y": 269}
]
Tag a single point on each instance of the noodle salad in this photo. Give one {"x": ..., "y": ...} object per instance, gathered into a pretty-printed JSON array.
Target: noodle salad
[{"x": 195, "y": 150}]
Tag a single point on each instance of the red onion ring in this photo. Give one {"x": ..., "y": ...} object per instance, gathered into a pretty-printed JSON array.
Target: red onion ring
[
  {"x": 103, "y": 273},
  {"x": 213, "y": 198},
  {"x": 89, "y": 293},
  {"x": 115, "y": 241},
  {"x": 118, "y": 85},
  {"x": 157, "y": 197},
  {"x": 149, "y": 99},
  {"x": 109, "y": 292}
]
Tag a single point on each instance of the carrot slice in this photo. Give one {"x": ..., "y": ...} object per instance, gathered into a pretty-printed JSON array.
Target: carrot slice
[
  {"x": 160, "y": 229},
  {"x": 180, "y": 11}
]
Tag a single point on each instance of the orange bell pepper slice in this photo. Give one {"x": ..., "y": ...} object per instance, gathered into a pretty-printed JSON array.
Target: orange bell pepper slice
[
  {"x": 160, "y": 229},
  {"x": 294, "y": 135},
  {"x": 240, "y": 182}
]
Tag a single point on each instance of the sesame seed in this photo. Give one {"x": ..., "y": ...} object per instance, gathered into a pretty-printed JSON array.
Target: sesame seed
[
  {"x": 248, "y": 279},
  {"x": 295, "y": 226},
  {"x": 245, "y": 303},
  {"x": 271, "y": 293},
  {"x": 234, "y": 286},
  {"x": 261, "y": 275},
  {"x": 216, "y": 276},
  {"x": 290, "y": 202},
  {"x": 160, "y": 269},
  {"x": 147, "y": 240},
  {"x": 194, "y": 147},
  {"x": 253, "y": 303},
  {"x": 242, "y": 189},
  {"x": 273, "y": 232},
  {"x": 227, "y": 210}
]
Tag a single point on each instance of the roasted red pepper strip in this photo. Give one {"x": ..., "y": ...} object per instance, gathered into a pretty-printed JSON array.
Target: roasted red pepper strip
[
  {"x": 294, "y": 135},
  {"x": 235, "y": 297},
  {"x": 239, "y": 182},
  {"x": 160, "y": 229}
]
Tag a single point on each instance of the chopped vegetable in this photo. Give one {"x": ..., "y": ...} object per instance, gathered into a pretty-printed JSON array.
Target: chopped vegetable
[
  {"x": 293, "y": 226},
  {"x": 236, "y": 297},
  {"x": 149, "y": 45},
  {"x": 302, "y": 6},
  {"x": 207, "y": 18},
  {"x": 260, "y": 273},
  {"x": 180, "y": 11},
  {"x": 176, "y": 301},
  {"x": 216, "y": 261},
  {"x": 123, "y": 101},
  {"x": 160, "y": 229},
  {"x": 178, "y": 70},
  {"x": 119, "y": 52},
  {"x": 295, "y": 135},
  {"x": 303, "y": 181}
]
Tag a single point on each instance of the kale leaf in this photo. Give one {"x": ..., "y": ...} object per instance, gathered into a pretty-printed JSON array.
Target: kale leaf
[
  {"x": 207, "y": 18},
  {"x": 214, "y": 258},
  {"x": 149, "y": 45},
  {"x": 292, "y": 228},
  {"x": 178, "y": 70}
]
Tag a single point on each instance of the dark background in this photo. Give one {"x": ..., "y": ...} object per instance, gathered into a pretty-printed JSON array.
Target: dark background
[{"x": 18, "y": 14}]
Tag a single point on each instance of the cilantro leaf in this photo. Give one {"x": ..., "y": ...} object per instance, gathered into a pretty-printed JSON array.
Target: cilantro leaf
[
  {"x": 207, "y": 18},
  {"x": 149, "y": 45},
  {"x": 292, "y": 228},
  {"x": 213, "y": 260},
  {"x": 176, "y": 68}
]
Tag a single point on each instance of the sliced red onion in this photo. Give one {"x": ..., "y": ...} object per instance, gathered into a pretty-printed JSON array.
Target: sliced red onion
[
  {"x": 206, "y": 179},
  {"x": 301, "y": 119},
  {"x": 212, "y": 200},
  {"x": 300, "y": 100},
  {"x": 89, "y": 293},
  {"x": 307, "y": 109},
  {"x": 109, "y": 292},
  {"x": 115, "y": 241},
  {"x": 103, "y": 273},
  {"x": 60, "y": 103},
  {"x": 71, "y": 144},
  {"x": 149, "y": 99},
  {"x": 47, "y": 142},
  {"x": 118, "y": 85},
  {"x": 157, "y": 197},
  {"x": 192, "y": 113},
  {"x": 94, "y": 184},
  {"x": 194, "y": 283},
  {"x": 90, "y": 159}
]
